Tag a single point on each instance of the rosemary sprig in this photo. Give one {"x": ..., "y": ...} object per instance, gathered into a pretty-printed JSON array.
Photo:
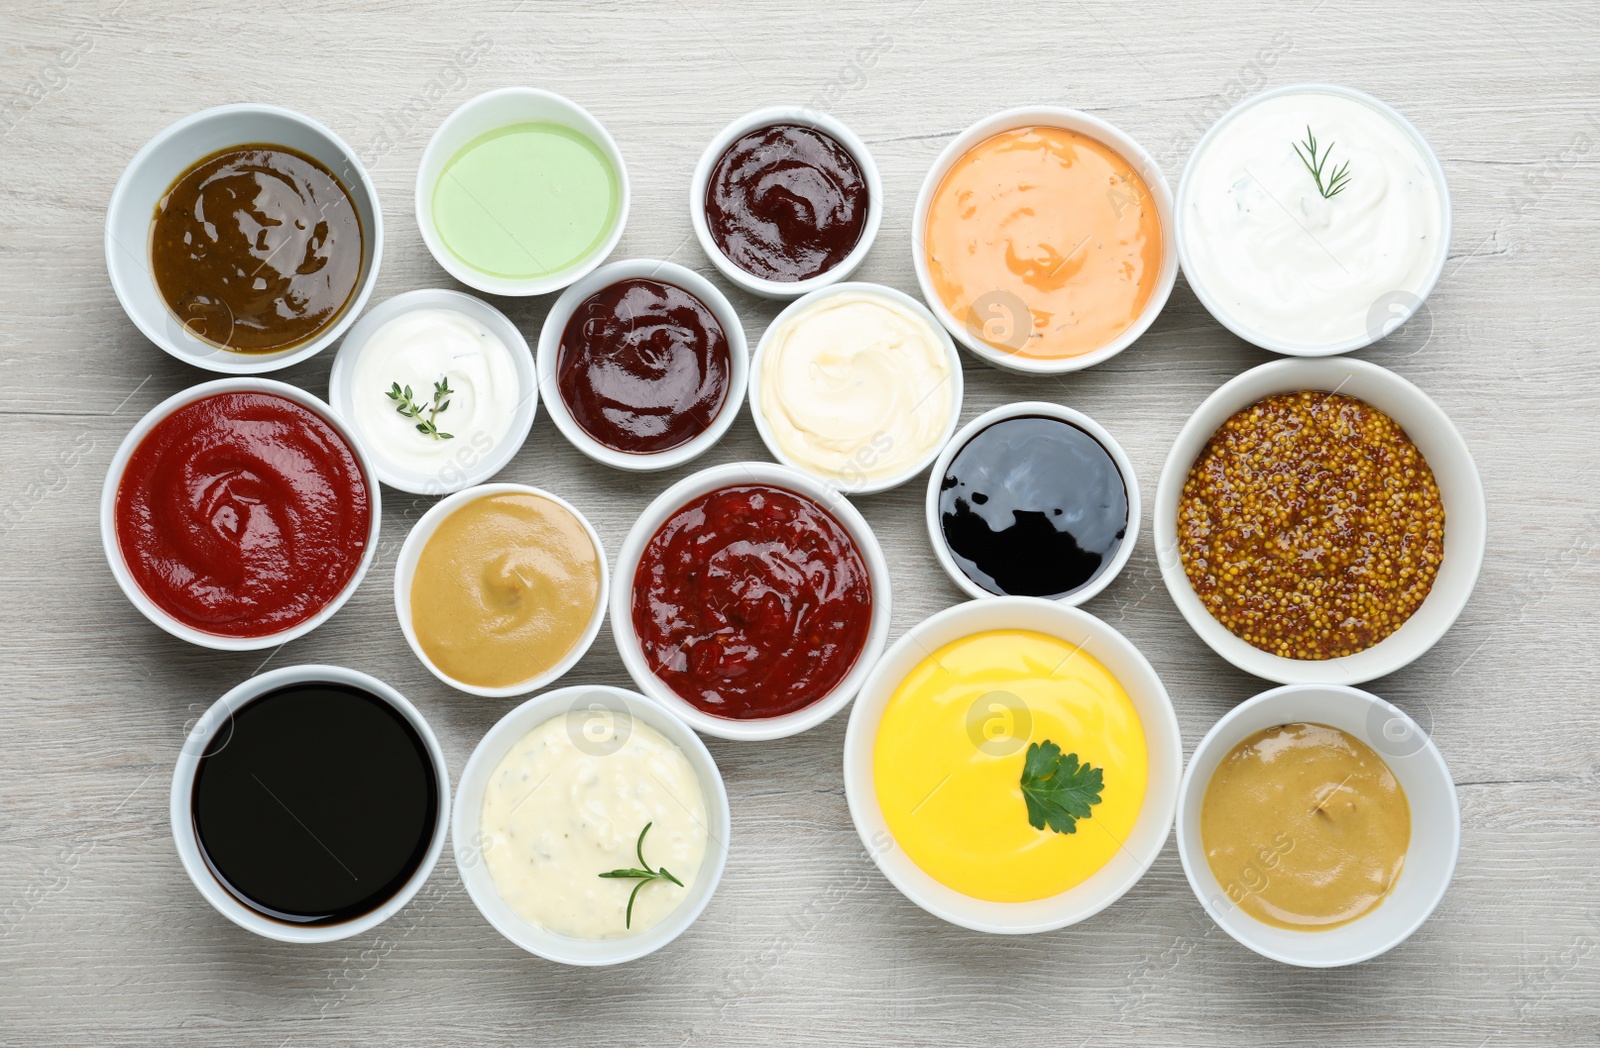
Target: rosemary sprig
[
  {"x": 408, "y": 407},
  {"x": 644, "y": 875},
  {"x": 1337, "y": 179}
]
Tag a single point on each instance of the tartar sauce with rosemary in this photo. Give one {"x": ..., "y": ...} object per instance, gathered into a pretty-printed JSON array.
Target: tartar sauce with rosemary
[
  {"x": 1305, "y": 214},
  {"x": 569, "y": 801}
]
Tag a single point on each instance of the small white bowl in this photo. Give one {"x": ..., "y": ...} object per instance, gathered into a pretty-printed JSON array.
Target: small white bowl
[
  {"x": 469, "y": 466},
  {"x": 405, "y": 571},
  {"x": 1430, "y": 792},
  {"x": 163, "y": 159},
  {"x": 804, "y": 117},
  {"x": 675, "y": 498},
  {"x": 1149, "y": 698},
  {"x": 1465, "y": 526},
  {"x": 952, "y": 359},
  {"x": 119, "y": 465},
  {"x": 555, "y": 325},
  {"x": 488, "y": 112},
  {"x": 941, "y": 549},
  {"x": 1084, "y": 124},
  {"x": 1390, "y": 321},
  {"x": 581, "y": 704},
  {"x": 219, "y": 718}
]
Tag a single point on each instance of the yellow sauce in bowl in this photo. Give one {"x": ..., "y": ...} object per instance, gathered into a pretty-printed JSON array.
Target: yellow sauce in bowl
[{"x": 949, "y": 756}]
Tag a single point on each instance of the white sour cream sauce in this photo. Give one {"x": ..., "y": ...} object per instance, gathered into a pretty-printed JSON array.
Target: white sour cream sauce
[
  {"x": 417, "y": 349},
  {"x": 557, "y": 815},
  {"x": 856, "y": 387},
  {"x": 1280, "y": 259}
]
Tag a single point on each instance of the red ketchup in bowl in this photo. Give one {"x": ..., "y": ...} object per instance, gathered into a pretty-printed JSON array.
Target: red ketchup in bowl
[
  {"x": 752, "y": 602},
  {"x": 243, "y": 514}
]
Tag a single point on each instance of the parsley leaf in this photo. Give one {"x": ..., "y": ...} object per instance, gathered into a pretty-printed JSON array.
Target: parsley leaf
[{"x": 1058, "y": 789}]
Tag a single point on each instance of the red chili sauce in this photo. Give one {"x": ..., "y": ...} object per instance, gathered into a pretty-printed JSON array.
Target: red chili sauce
[
  {"x": 752, "y": 602},
  {"x": 243, "y": 514},
  {"x": 644, "y": 366}
]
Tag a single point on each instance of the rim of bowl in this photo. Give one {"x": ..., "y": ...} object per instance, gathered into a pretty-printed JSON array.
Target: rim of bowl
[
  {"x": 405, "y": 571},
  {"x": 1070, "y": 120},
  {"x": 656, "y": 514},
  {"x": 1130, "y": 483},
  {"x": 1375, "y": 712},
  {"x": 215, "y": 358},
  {"x": 465, "y": 826},
  {"x": 952, "y": 358},
  {"x": 1441, "y": 445},
  {"x": 574, "y": 117},
  {"x": 816, "y": 120},
  {"x": 1163, "y": 741},
  {"x": 119, "y": 465},
  {"x": 1256, "y": 338},
  {"x": 549, "y": 353},
  {"x": 340, "y": 393},
  {"x": 182, "y": 814}
]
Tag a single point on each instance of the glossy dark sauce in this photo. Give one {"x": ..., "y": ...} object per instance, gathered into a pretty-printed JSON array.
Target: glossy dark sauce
[
  {"x": 644, "y": 366},
  {"x": 786, "y": 203},
  {"x": 256, "y": 248},
  {"x": 1034, "y": 507},
  {"x": 315, "y": 803}
]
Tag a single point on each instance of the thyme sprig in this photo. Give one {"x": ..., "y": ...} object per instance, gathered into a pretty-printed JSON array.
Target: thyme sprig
[
  {"x": 644, "y": 875},
  {"x": 1337, "y": 178},
  {"x": 408, "y": 407}
]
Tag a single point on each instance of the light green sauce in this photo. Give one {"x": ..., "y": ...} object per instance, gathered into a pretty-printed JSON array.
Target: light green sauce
[{"x": 526, "y": 200}]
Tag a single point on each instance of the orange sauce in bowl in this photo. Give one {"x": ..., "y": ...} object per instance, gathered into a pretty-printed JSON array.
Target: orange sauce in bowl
[{"x": 1044, "y": 242}]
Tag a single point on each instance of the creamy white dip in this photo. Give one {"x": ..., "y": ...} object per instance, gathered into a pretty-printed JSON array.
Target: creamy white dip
[{"x": 1272, "y": 253}]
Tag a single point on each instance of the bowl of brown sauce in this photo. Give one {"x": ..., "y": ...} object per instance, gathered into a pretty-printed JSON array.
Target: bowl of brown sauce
[{"x": 244, "y": 239}]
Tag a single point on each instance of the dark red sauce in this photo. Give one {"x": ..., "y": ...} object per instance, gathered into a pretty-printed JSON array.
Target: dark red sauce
[
  {"x": 243, "y": 514},
  {"x": 644, "y": 366},
  {"x": 752, "y": 602},
  {"x": 786, "y": 203}
]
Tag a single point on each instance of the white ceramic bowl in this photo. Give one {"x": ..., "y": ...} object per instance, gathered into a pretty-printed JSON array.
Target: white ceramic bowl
[
  {"x": 1149, "y": 698},
  {"x": 405, "y": 571},
  {"x": 1084, "y": 124},
  {"x": 941, "y": 549},
  {"x": 817, "y": 121},
  {"x": 119, "y": 464},
  {"x": 218, "y": 719},
  {"x": 469, "y": 465},
  {"x": 1390, "y": 321},
  {"x": 846, "y": 484},
  {"x": 674, "y": 499},
  {"x": 555, "y": 325},
  {"x": 1441, "y": 444},
  {"x": 163, "y": 159},
  {"x": 479, "y": 116},
  {"x": 582, "y": 704},
  {"x": 1430, "y": 791}
]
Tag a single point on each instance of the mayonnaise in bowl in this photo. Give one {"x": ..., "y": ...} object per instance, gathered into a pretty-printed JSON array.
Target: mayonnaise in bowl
[{"x": 1305, "y": 252}]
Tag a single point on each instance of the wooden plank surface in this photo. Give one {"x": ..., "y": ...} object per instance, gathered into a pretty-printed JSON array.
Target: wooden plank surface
[{"x": 102, "y": 938}]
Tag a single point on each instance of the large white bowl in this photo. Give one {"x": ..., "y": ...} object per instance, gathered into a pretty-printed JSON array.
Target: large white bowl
[
  {"x": 488, "y": 112},
  {"x": 219, "y": 719},
  {"x": 555, "y": 325},
  {"x": 405, "y": 572},
  {"x": 119, "y": 465},
  {"x": 163, "y": 159},
  {"x": 817, "y": 121},
  {"x": 1430, "y": 792},
  {"x": 941, "y": 549},
  {"x": 1084, "y": 124},
  {"x": 1376, "y": 331},
  {"x": 585, "y": 706},
  {"x": 469, "y": 466},
  {"x": 674, "y": 499},
  {"x": 952, "y": 361},
  {"x": 1460, "y": 489},
  {"x": 1121, "y": 659}
]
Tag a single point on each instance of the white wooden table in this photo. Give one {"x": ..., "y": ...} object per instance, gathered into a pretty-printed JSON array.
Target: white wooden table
[{"x": 102, "y": 938}]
